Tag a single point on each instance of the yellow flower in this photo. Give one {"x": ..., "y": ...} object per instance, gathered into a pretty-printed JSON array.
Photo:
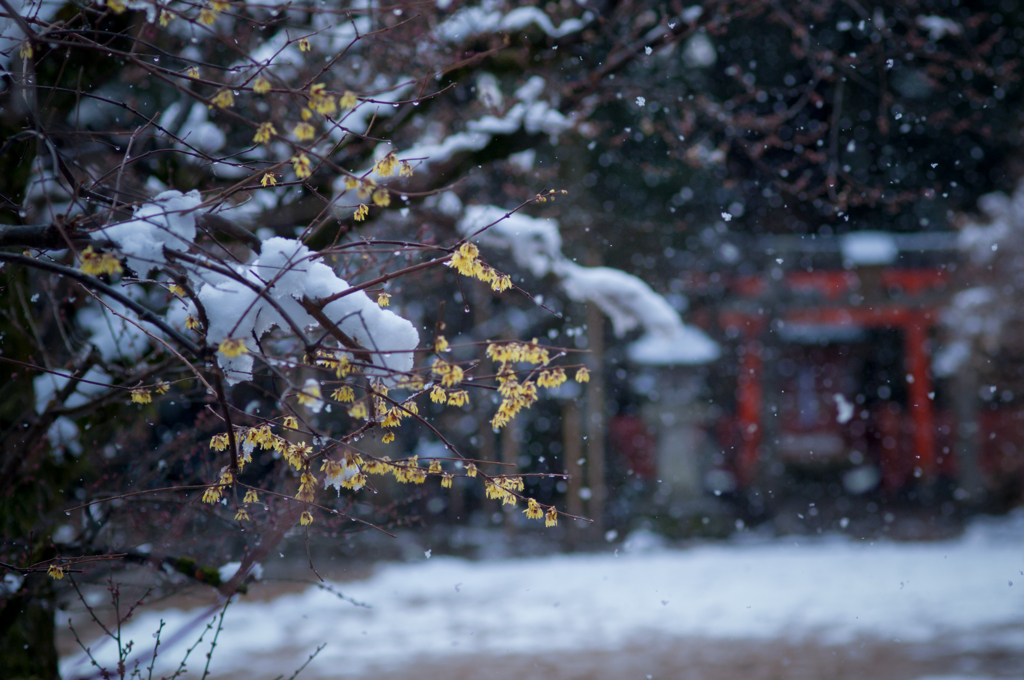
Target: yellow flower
[
  {"x": 388, "y": 438},
  {"x": 232, "y": 347},
  {"x": 301, "y": 166},
  {"x": 176, "y": 289},
  {"x": 223, "y": 99},
  {"x": 304, "y": 45},
  {"x": 348, "y": 101},
  {"x": 268, "y": 180},
  {"x": 582, "y": 375},
  {"x": 383, "y": 299},
  {"x": 261, "y": 85},
  {"x": 165, "y": 18},
  {"x": 533, "y": 510},
  {"x": 162, "y": 387},
  {"x": 343, "y": 394},
  {"x": 500, "y": 282},
  {"x": 438, "y": 395},
  {"x": 56, "y": 572},
  {"x": 386, "y": 166},
  {"x": 552, "y": 378},
  {"x": 264, "y": 133},
  {"x": 305, "y": 114},
  {"x": 464, "y": 260},
  {"x": 219, "y": 442},
  {"x": 219, "y": 6},
  {"x": 551, "y": 517},
  {"x": 306, "y": 518},
  {"x": 441, "y": 344},
  {"x": 241, "y": 514},
  {"x": 361, "y": 212},
  {"x": 25, "y": 51},
  {"x": 382, "y": 198},
  {"x": 446, "y": 480},
  {"x": 141, "y": 396},
  {"x": 207, "y": 17},
  {"x": 471, "y": 470},
  {"x": 460, "y": 398},
  {"x": 192, "y": 323},
  {"x": 320, "y": 101},
  {"x": 94, "y": 263},
  {"x": 405, "y": 170},
  {"x": 192, "y": 72},
  {"x": 251, "y": 497},
  {"x": 291, "y": 422},
  {"x": 435, "y": 467},
  {"x": 304, "y": 132},
  {"x": 358, "y": 410},
  {"x": 117, "y": 6}
]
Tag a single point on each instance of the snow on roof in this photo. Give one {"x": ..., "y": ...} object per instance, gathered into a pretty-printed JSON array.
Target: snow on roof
[
  {"x": 628, "y": 302},
  {"x": 472, "y": 21},
  {"x": 869, "y": 248}
]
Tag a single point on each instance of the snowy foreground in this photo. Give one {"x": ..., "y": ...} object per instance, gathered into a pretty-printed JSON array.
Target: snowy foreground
[{"x": 968, "y": 593}]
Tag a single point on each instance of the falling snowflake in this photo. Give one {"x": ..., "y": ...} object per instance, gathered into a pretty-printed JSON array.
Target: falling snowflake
[
  {"x": 648, "y": 50},
  {"x": 641, "y": 101}
]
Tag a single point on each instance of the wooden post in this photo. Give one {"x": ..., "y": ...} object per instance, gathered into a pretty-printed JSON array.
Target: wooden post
[
  {"x": 595, "y": 425},
  {"x": 919, "y": 387}
]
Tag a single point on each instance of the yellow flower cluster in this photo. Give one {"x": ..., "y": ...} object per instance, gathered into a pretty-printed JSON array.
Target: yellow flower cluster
[
  {"x": 268, "y": 180},
  {"x": 533, "y": 510},
  {"x": 297, "y": 454},
  {"x": 503, "y": 488},
  {"x": 307, "y": 487},
  {"x": 251, "y": 497},
  {"x": 223, "y": 99},
  {"x": 435, "y": 467},
  {"x": 162, "y": 388},
  {"x": 386, "y": 166},
  {"x": 261, "y": 85},
  {"x": 381, "y": 198},
  {"x": 344, "y": 394},
  {"x": 216, "y": 492},
  {"x": 55, "y": 571},
  {"x": 320, "y": 101},
  {"x": 441, "y": 344},
  {"x": 141, "y": 395},
  {"x": 348, "y": 101},
  {"x": 516, "y": 397},
  {"x": 458, "y": 398},
  {"x": 438, "y": 395},
  {"x": 551, "y": 378},
  {"x": 301, "y": 166},
  {"x": 518, "y": 352},
  {"x": 361, "y": 212},
  {"x": 264, "y": 133},
  {"x": 466, "y": 261},
  {"x": 166, "y": 18},
  {"x": 94, "y": 263},
  {"x": 304, "y": 132},
  {"x": 232, "y": 347},
  {"x": 450, "y": 374},
  {"x": 410, "y": 472},
  {"x": 359, "y": 411},
  {"x": 582, "y": 375}
]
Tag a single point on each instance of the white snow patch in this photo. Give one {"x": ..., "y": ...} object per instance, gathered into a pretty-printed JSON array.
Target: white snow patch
[{"x": 831, "y": 590}]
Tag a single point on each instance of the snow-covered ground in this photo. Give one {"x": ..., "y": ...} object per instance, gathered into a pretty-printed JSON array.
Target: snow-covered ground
[{"x": 969, "y": 593}]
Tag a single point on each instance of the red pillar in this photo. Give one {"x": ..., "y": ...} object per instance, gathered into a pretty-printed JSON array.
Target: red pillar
[
  {"x": 919, "y": 387},
  {"x": 748, "y": 410}
]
